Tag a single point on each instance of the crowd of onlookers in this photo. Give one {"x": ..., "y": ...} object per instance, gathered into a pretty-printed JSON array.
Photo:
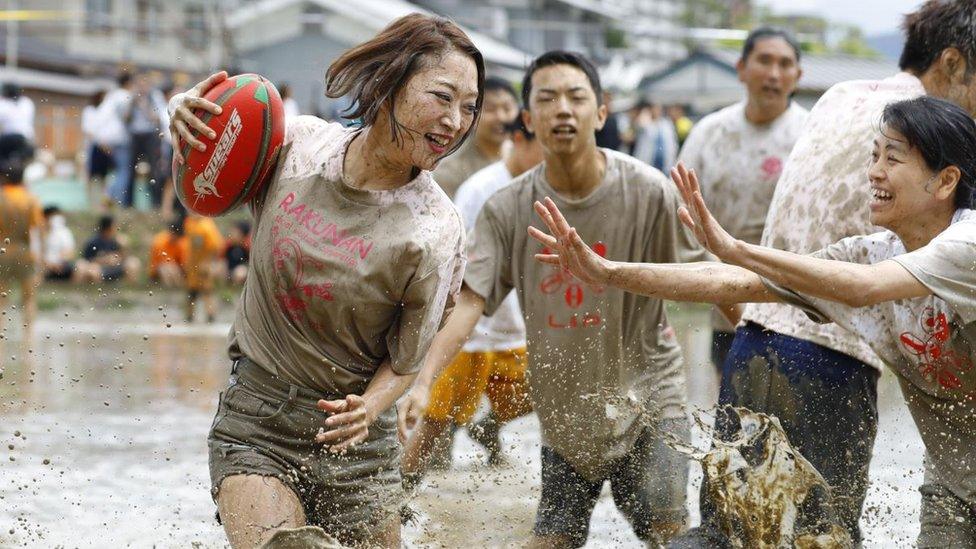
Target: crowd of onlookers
[
  {"x": 647, "y": 131},
  {"x": 190, "y": 253}
]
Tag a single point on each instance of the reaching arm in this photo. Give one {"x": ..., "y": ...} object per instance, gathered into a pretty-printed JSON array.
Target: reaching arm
[
  {"x": 706, "y": 282},
  {"x": 852, "y": 284},
  {"x": 446, "y": 345}
]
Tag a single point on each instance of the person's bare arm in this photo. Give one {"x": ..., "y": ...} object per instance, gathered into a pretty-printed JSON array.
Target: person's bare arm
[
  {"x": 445, "y": 346},
  {"x": 704, "y": 282},
  {"x": 351, "y": 417},
  {"x": 852, "y": 284}
]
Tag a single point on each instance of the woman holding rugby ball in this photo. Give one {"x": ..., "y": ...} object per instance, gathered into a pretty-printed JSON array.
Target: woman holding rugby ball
[
  {"x": 909, "y": 291},
  {"x": 356, "y": 258}
]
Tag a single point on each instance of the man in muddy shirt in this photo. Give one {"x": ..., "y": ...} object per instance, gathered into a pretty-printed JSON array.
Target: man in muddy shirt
[
  {"x": 739, "y": 151},
  {"x": 605, "y": 372},
  {"x": 821, "y": 380}
]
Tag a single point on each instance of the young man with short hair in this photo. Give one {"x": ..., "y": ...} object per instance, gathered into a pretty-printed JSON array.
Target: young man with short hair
[
  {"x": 739, "y": 151},
  {"x": 605, "y": 371}
]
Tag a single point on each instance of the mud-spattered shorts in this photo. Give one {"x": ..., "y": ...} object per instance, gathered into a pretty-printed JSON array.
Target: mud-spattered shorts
[
  {"x": 498, "y": 374},
  {"x": 266, "y": 426},
  {"x": 649, "y": 486}
]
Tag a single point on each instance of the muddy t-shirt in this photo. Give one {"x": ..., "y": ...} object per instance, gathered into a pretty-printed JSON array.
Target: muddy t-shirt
[
  {"x": 343, "y": 278},
  {"x": 929, "y": 342},
  {"x": 823, "y": 195},
  {"x": 455, "y": 169},
  {"x": 602, "y": 362},
  {"x": 738, "y": 164}
]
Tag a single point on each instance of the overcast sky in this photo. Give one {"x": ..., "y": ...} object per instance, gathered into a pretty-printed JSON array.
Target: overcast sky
[{"x": 873, "y": 16}]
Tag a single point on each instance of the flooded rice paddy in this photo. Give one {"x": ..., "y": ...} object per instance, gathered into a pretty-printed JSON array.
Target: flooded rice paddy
[{"x": 103, "y": 437}]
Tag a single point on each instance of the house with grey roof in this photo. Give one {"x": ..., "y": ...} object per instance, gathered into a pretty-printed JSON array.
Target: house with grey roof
[{"x": 707, "y": 80}]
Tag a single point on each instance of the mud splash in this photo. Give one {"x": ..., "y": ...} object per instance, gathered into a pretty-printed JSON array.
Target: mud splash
[{"x": 765, "y": 493}]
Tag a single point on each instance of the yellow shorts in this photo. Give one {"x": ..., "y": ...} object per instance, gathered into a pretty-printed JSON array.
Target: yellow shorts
[{"x": 500, "y": 374}]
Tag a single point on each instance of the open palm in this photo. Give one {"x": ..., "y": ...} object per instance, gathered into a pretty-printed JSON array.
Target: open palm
[
  {"x": 695, "y": 215},
  {"x": 571, "y": 253}
]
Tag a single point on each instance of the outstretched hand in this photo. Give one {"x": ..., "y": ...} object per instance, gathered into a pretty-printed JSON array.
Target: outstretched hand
[
  {"x": 569, "y": 250},
  {"x": 695, "y": 215}
]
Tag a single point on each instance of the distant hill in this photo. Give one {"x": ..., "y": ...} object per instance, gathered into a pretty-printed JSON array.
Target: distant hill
[{"x": 888, "y": 44}]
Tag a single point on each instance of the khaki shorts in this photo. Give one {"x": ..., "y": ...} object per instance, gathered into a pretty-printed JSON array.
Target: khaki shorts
[
  {"x": 498, "y": 374},
  {"x": 266, "y": 426}
]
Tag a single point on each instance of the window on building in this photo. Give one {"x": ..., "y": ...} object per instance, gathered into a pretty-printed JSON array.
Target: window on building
[
  {"x": 98, "y": 15},
  {"x": 195, "y": 26},
  {"x": 148, "y": 18}
]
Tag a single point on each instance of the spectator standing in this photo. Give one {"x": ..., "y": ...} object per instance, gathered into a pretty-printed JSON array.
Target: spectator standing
[
  {"x": 682, "y": 124},
  {"x": 739, "y": 151},
  {"x": 112, "y": 134},
  {"x": 142, "y": 123},
  {"x": 202, "y": 245},
  {"x": 20, "y": 223},
  {"x": 16, "y": 112},
  {"x": 98, "y": 156},
  {"x": 656, "y": 142}
]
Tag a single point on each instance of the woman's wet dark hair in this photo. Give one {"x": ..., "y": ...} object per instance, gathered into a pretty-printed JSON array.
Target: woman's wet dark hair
[
  {"x": 374, "y": 72},
  {"x": 943, "y": 133}
]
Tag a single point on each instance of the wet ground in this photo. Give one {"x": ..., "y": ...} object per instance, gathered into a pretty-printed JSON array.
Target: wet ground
[{"x": 105, "y": 417}]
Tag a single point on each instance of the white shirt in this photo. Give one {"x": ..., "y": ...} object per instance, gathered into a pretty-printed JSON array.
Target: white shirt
[
  {"x": 58, "y": 242},
  {"x": 17, "y": 117},
  {"x": 504, "y": 330},
  {"x": 823, "y": 195},
  {"x": 111, "y": 128}
]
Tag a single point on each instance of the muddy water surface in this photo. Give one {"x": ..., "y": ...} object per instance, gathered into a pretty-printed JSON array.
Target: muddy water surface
[{"x": 107, "y": 415}]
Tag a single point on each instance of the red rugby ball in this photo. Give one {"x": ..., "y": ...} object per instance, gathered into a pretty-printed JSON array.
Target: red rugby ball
[{"x": 238, "y": 161}]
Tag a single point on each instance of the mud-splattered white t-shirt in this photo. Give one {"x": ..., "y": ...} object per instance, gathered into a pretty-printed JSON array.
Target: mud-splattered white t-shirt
[
  {"x": 930, "y": 342},
  {"x": 343, "y": 278},
  {"x": 602, "y": 362},
  {"x": 738, "y": 164},
  {"x": 823, "y": 195},
  {"x": 504, "y": 330}
]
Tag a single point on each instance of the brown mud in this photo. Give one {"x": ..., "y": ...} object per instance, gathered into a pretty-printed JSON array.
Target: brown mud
[{"x": 766, "y": 494}]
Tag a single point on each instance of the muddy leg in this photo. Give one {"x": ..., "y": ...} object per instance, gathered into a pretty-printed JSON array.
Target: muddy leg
[
  {"x": 252, "y": 507},
  {"x": 416, "y": 456}
]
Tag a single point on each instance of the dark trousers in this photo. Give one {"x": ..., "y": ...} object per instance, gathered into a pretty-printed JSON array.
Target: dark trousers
[
  {"x": 826, "y": 402},
  {"x": 146, "y": 148}
]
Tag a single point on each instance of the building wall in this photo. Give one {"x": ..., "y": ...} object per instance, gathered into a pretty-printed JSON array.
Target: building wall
[
  {"x": 301, "y": 62},
  {"x": 168, "y": 34}
]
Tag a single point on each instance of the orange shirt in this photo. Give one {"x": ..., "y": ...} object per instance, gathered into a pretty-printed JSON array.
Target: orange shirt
[
  {"x": 20, "y": 212},
  {"x": 202, "y": 244},
  {"x": 165, "y": 248}
]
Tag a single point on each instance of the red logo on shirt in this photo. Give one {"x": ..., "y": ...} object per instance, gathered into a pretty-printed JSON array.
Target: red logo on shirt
[
  {"x": 936, "y": 361},
  {"x": 292, "y": 292},
  {"x": 772, "y": 167},
  {"x": 563, "y": 279},
  {"x": 573, "y": 293}
]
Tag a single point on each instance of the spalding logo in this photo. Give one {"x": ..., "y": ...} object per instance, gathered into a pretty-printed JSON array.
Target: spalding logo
[{"x": 203, "y": 184}]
